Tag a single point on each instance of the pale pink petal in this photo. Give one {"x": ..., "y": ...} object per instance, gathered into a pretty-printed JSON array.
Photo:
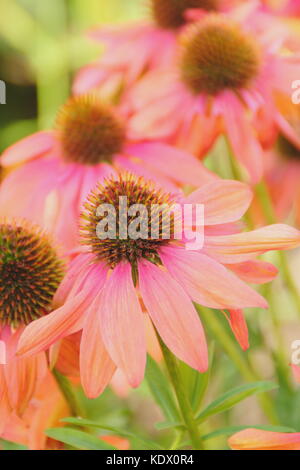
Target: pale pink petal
[
  {"x": 239, "y": 327},
  {"x": 42, "y": 333},
  {"x": 96, "y": 367},
  {"x": 122, "y": 324},
  {"x": 245, "y": 145},
  {"x": 173, "y": 315},
  {"x": 234, "y": 248},
  {"x": 88, "y": 78},
  {"x": 27, "y": 148},
  {"x": 207, "y": 282},
  {"x": 24, "y": 191},
  {"x": 171, "y": 162},
  {"x": 224, "y": 201}
]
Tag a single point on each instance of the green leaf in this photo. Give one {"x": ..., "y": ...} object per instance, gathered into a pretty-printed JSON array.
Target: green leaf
[
  {"x": 78, "y": 439},
  {"x": 8, "y": 445},
  {"x": 169, "y": 424},
  {"x": 161, "y": 391},
  {"x": 233, "y": 429},
  {"x": 148, "y": 444},
  {"x": 234, "y": 396}
]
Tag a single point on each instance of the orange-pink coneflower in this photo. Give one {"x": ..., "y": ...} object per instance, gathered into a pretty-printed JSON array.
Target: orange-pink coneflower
[{"x": 89, "y": 142}]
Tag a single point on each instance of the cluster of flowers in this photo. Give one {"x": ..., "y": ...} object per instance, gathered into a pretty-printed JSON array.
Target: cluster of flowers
[{"x": 140, "y": 123}]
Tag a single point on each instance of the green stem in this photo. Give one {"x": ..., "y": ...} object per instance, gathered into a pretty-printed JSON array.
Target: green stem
[
  {"x": 68, "y": 392},
  {"x": 280, "y": 355},
  {"x": 183, "y": 402},
  {"x": 241, "y": 363}
]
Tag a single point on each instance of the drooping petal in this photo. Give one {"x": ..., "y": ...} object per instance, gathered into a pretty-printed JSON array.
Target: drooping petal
[
  {"x": 96, "y": 367},
  {"x": 122, "y": 324},
  {"x": 239, "y": 327},
  {"x": 224, "y": 201},
  {"x": 42, "y": 333},
  {"x": 257, "y": 439},
  {"x": 207, "y": 282},
  {"x": 173, "y": 315},
  {"x": 255, "y": 271},
  {"x": 28, "y": 148},
  {"x": 236, "y": 247}
]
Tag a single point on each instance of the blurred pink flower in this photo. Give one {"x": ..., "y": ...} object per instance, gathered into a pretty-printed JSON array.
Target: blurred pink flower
[
  {"x": 60, "y": 167},
  {"x": 136, "y": 48},
  {"x": 108, "y": 288},
  {"x": 256, "y": 439},
  {"x": 229, "y": 70}
]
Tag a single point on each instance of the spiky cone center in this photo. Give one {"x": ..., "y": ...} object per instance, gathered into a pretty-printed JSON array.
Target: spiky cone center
[
  {"x": 170, "y": 14},
  {"x": 30, "y": 273},
  {"x": 218, "y": 55},
  {"x": 88, "y": 131},
  {"x": 120, "y": 247}
]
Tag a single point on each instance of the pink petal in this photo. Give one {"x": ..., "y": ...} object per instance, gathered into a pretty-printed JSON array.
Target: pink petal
[
  {"x": 24, "y": 191},
  {"x": 171, "y": 162},
  {"x": 174, "y": 315},
  {"x": 241, "y": 135},
  {"x": 122, "y": 324},
  {"x": 239, "y": 327},
  {"x": 42, "y": 333},
  {"x": 255, "y": 271},
  {"x": 296, "y": 372},
  {"x": 30, "y": 147},
  {"x": 224, "y": 201},
  {"x": 88, "y": 78},
  {"x": 96, "y": 367},
  {"x": 256, "y": 439},
  {"x": 207, "y": 282},
  {"x": 235, "y": 248}
]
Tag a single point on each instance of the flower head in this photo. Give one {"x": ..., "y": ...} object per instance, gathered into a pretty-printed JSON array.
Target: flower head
[
  {"x": 224, "y": 82},
  {"x": 112, "y": 286},
  {"x": 88, "y": 143},
  {"x": 30, "y": 273}
]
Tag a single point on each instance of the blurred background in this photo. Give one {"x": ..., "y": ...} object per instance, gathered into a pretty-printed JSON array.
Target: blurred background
[{"x": 42, "y": 45}]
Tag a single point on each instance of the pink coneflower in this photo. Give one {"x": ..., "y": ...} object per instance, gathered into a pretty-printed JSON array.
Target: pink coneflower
[
  {"x": 257, "y": 439},
  {"x": 133, "y": 49},
  {"x": 61, "y": 166},
  {"x": 45, "y": 410},
  {"x": 108, "y": 288},
  {"x": 30, "y": 273},
  {"x": 282, "y": 167},
  {"x": 229, "y": 69}
]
